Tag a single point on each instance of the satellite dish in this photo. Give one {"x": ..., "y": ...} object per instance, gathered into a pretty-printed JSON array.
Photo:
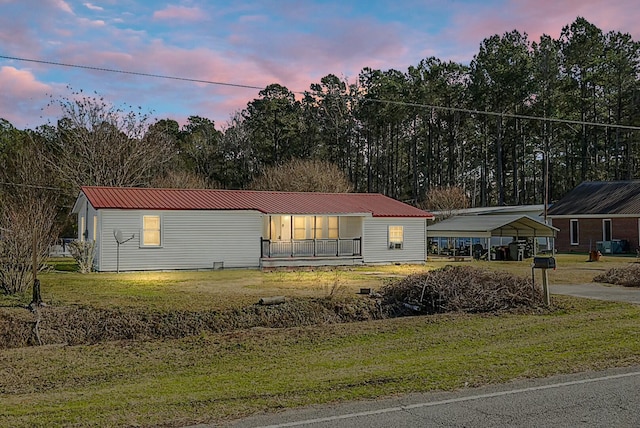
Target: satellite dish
[{"x": 117, "y": 233}]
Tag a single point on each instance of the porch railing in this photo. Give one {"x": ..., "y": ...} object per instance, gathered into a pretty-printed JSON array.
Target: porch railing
[{"x": 311, "y": 248}]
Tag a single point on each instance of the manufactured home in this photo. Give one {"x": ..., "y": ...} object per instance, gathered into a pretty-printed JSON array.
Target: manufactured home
[{"x": 169, "y": 229}]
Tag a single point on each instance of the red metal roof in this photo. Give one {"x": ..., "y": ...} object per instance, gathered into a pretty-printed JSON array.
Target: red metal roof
[{"x": 264, "y": 201}]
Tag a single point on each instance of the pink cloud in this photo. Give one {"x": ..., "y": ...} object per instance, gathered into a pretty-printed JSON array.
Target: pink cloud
[
  {"x": 180, "y": 13},
  {"x": 474, "y": 23},
  {"x": 91, "y": 6},
  {"x": 63, "y": 6},
  {"x": 22, "y": 96}
]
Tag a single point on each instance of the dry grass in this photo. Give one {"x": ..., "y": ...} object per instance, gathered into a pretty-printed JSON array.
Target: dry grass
[
  {"x": 211, "y": 377},
  {"x": 572, "y": 268},
  {"x": 462, "y": 289},
  {"x": 628, "y": 276}
]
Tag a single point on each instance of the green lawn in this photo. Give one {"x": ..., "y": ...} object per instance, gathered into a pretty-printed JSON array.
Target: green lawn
[{"x": 217, "y": 377}]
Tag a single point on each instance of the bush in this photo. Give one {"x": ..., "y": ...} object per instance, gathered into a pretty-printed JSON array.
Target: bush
[
  {"x": 83, "y": 252},
  {"x": 628, "y": 276},
  {"x": 461, "y": 289}
]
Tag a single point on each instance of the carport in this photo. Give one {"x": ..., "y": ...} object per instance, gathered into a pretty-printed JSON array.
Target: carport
[{"x": 485, "y": 236}]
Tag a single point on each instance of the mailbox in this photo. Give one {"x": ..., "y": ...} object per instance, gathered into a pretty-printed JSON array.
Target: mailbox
[{"x": 544, "y": 262}]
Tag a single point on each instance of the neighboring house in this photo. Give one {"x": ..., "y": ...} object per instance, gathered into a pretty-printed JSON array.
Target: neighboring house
[
  {"x": 156, "y": 229},
  {"x": 599, "y": 215}
]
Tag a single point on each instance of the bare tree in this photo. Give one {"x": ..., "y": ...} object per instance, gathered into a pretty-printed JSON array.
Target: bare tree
[
  {"x": 181, "y": 179},
  {"x": 304, "y": 176},
  {"x": 28, "y": 210},
  {"x": 99, "y": 144},
  {"x": 445, "y": 200}
]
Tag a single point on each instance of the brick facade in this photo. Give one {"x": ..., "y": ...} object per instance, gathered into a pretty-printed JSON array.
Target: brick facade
[{"x": 590, "y": 231}]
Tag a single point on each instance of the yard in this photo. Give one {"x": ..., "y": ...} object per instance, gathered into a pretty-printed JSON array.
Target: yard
[{"x": 216, "y": 377}]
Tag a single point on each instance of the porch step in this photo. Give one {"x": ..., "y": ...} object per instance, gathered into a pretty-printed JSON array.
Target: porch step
[{"x": 273, "y": 262}]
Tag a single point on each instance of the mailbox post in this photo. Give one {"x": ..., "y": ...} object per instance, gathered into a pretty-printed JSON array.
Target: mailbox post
[{"x": 544, "y": 263}]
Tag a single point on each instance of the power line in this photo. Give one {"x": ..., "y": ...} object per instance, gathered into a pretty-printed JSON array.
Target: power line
[
  {"x": 510, "y": 115},
  {"x": 30, "y": 186},
  {"x": 135, "y": 73},
  {"x": 402, "y": 103}
]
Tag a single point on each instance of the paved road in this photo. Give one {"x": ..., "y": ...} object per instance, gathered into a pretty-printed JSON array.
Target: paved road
[
  {"x": 596, "y": 399},
  {"x": 598, "y": 291}
]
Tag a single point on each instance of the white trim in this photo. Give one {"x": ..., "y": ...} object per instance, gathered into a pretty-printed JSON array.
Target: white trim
[
  {"x": 574, "y": 240},
  {"x": 395, "y": 244},
  {"x": 142, "y": 230},
  {"x": 604, "y": 235}
]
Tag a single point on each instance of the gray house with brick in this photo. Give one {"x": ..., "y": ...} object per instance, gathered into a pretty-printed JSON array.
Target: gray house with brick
[{"x": 598, "y": 215}]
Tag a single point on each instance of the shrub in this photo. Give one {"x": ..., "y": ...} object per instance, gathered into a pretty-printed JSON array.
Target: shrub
[{"x": 83, "y": 252}]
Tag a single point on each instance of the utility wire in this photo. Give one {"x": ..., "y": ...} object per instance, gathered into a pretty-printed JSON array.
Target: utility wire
[
  {"x": 402, "y": 103},
  {"x": 135, "y": 73},
  {"x": 510, "y": 115},
  {"x": 30, "y": 186}
]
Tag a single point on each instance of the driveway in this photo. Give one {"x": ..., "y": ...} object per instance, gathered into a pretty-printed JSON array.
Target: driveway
[{"x": 614, "y": 293}]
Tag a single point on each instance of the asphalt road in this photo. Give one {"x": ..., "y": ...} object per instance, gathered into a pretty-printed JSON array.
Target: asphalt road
[
  {"x": 599, "y": 291},
  {"x": 595, "y": 399}
]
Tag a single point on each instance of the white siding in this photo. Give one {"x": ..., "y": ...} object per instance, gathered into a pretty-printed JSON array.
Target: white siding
[
  {"x": 190, "y": 240},
  {"x": 86, "y": 217},
  {"x": 375, "y": 240}
]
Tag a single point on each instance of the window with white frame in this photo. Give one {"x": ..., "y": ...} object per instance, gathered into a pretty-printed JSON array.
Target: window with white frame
[
  {"x": 606, "y": 229},
  {"x": 95, "y": 227},
  {"x": 573, "y": 230},
  {"x": 396, "y": 237},
  {"x": 151, "y": 231}
]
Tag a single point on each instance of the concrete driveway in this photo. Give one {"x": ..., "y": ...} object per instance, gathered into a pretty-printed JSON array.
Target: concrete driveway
[{"x": 614, "y": 293}]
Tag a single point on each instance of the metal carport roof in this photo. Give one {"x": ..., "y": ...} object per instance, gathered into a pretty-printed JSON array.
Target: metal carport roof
[{"x": 520, "y": 226}]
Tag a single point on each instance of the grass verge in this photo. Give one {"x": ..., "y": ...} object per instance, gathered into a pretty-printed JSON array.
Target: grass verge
[{"x": 218, "y": 377}]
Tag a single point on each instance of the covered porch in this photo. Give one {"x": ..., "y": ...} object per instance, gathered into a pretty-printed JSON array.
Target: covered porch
[{"x": 296, "y": 240}]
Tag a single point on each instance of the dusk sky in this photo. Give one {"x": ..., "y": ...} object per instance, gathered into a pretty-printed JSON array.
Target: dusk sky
[{"x": 254, "y": 43}]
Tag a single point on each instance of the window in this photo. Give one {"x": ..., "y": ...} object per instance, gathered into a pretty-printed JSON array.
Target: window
[
  {"x": 95, "y": 227},
  {"x": 82, "y": 229},
  {"x": 396, "y": 237},
  {"x": 606, "y": 230},
  {"x": 151, "y": 231},
  {"x": 299, "y": 227},
  {"x": 574, "y": 232},
  {"x": 317, "y": 232},
  {"x": 333, "y": 227}
]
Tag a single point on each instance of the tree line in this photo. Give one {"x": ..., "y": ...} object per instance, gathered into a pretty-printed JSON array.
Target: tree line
[
  {"x": 486, "y": 128},
  {"x": 401, "y": 133}
]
